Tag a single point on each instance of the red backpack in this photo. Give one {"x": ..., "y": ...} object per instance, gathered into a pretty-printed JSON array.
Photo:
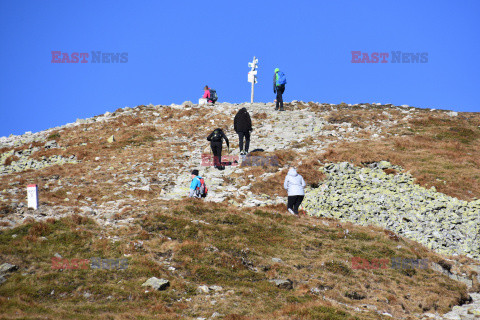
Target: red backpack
[{"x": 203, "y": 190}]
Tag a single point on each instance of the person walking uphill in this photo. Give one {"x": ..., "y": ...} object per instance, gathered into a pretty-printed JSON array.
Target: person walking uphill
[
  {"x": 242, "y": 124},
  {"x": 294, "y": 185},
  {"x": 279, "y": 82},
  {"x": 216, "y": 139}
]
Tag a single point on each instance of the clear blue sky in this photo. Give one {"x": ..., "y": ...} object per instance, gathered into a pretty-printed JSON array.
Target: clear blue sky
[{"x": 176, "y": 47}]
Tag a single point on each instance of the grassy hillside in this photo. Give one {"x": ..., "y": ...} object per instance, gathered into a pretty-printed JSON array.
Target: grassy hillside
[
  {"x": 121, "y": 200},
  {"x": 211, "y": 244}
]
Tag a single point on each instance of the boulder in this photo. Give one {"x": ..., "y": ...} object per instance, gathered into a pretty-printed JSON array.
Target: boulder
[
  {"x": 7, "y": 267},
  {"x": 203, "y": 289},
  {"x": 157, "y": 284},
  {"x": 283, "y": 283},
  {"x": 452, "y": 113},
  {"x": 81, "y": 121}
]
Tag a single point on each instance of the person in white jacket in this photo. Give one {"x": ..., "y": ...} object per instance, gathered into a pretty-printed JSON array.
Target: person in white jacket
[{"x": 294, "y": 185}]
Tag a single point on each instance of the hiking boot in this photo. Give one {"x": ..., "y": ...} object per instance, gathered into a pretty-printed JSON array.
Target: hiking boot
[
  {"x": 276, "y": 109},
  {"x": 291, "y": 211},
  {"x": 281, "y": 109}
]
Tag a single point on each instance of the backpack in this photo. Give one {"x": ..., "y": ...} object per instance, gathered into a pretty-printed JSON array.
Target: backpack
[
  {"x": 213, "y": 95},
  {"x": 202, "y": 190},
  {"x": 282, "y": 79},
  {"x": 217, "y": 135}
]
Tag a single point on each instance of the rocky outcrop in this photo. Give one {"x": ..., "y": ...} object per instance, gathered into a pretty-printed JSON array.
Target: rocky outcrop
[
  {"x": 370, "y": 196},
  {"x": 23, "y": 159},
  {"x": 5, "y": 270}
]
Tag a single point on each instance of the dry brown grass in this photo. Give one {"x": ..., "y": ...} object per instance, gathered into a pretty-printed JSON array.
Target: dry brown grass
[
  {"x": 311, "y": 172},
  {"x": 434, "y": 154},
  {"x": 5, "y": 209},
  {"x": 315, "y": 254},
  {"x": 310, "y": 169},
  {"x": 199, "y": 112},
  {"x": 47, "y": 153},
  {"x": 132, "y": 121},
  {"x": 39, "y": 229},
  {"x": 10, "y": 159},
  {"x": 357, "y": 118},
  {"x": 167, "y": 113},
  {"x": 260, "y": 116},
  {"x": 272, "y": 186},
  {"x": 136, "y": 139}
]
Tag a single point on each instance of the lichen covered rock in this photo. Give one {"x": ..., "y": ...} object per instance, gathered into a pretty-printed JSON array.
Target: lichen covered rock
[{"x": 370, "y": 196}]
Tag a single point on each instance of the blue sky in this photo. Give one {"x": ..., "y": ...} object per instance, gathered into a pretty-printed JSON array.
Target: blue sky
[{"x": 176, "y": 47}]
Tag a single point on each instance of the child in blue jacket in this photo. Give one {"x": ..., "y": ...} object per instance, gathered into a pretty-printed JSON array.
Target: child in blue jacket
[{"x": 195, "y": 185}]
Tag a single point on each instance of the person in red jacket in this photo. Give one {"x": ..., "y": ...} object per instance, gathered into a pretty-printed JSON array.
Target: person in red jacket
[{"x": 206, "y": 94}]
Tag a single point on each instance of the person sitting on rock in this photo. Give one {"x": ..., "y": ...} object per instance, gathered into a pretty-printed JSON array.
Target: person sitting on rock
[
  {"x": 195, "y": 185},
  {"x": 242, "y": 124},
  {"x": 216, "y": 140},
  {"x": 294, "y": 185},
  {"x": 206, "y": 94}
]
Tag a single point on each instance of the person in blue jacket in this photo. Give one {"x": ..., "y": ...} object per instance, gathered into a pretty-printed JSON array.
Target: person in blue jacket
[
  {"x": 279, "y": 81},
  {"x": 195, "y": 185}
]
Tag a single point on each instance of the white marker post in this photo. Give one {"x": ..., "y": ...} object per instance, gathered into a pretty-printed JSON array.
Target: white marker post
[
  {"x": 32, "y": 192},
  {"x": 252, "y": 75}
]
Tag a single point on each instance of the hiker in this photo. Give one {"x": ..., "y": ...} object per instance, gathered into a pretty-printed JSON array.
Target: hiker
[
  {"x": 210, "y": 94},
  {"x": 279, "y": 82},
  {"x": 294, "y": 185},
  {"x": 206, "y": 94},
  {"x": 242, "y": 124},
  {"x": 195, "y": 185},
  {"x": 216, "y": 140}
]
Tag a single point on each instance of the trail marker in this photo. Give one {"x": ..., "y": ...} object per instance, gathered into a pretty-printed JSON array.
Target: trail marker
[
  {"x": 32, "y": 192},
  {"x": 252, "y": 74}
]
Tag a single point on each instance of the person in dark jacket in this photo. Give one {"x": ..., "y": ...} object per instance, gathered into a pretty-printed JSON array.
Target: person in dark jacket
[
  {"x": 278, "y": 89},
  {"x": 242, "y": 124},
  {"x": 216, "y": 139}
]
